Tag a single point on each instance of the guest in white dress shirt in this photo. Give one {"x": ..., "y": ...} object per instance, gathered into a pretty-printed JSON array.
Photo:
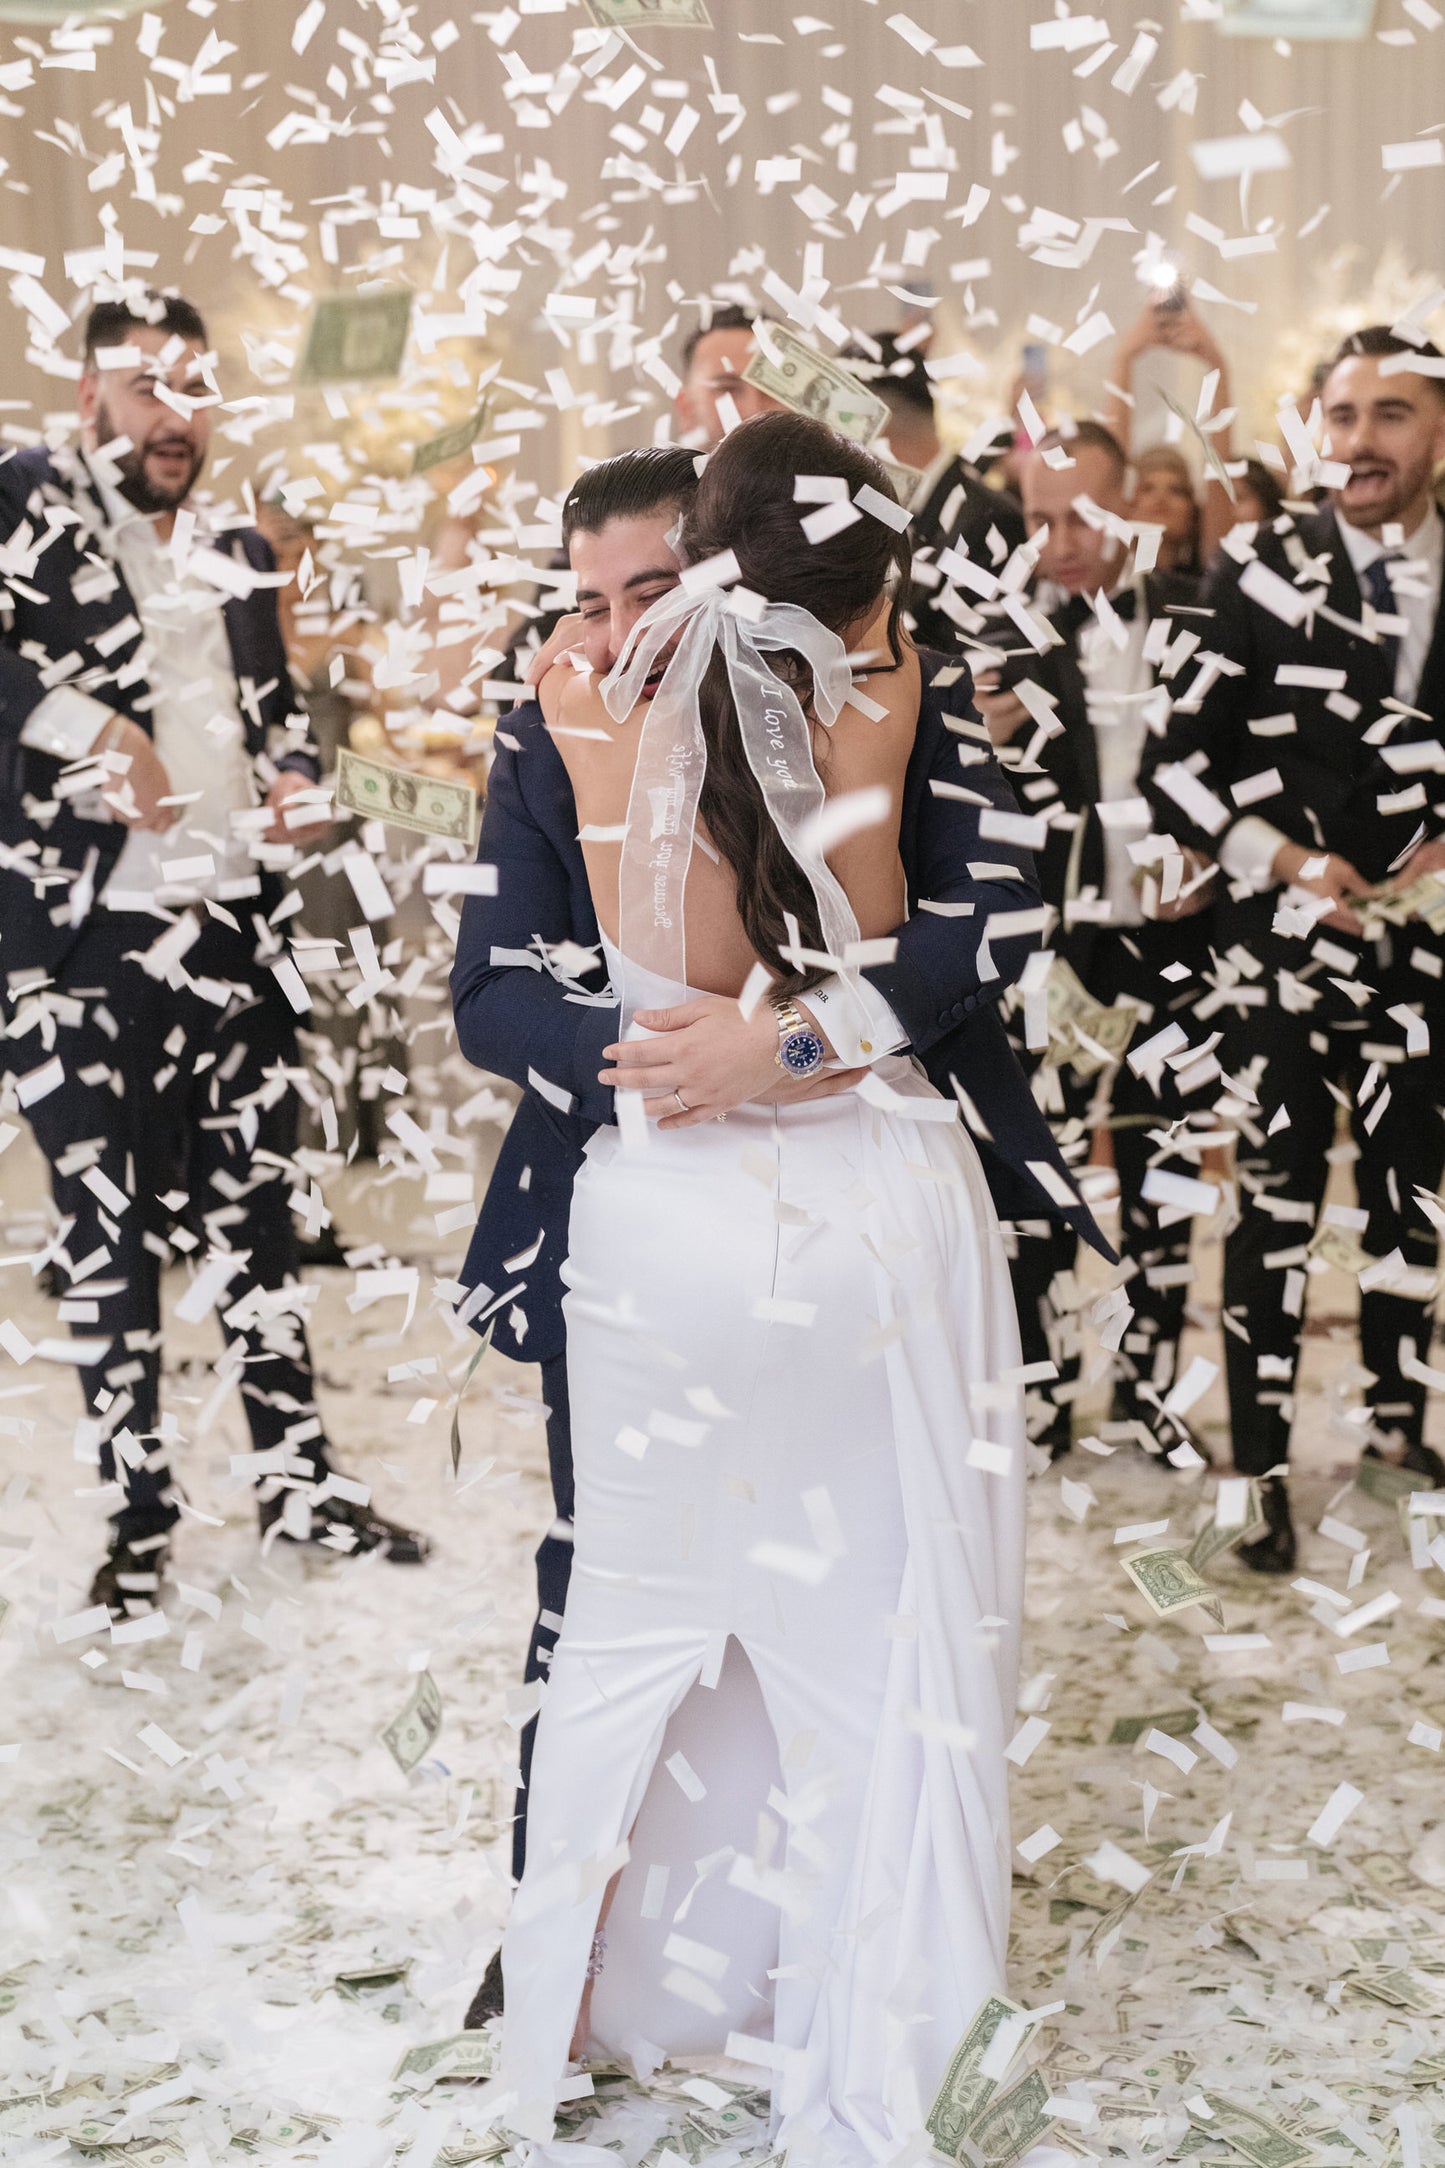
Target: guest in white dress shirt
[
  {"x": 149, "y": 810},
  {"x": 1305, "y": 758},
  {"x": 1104, "y": 683}
]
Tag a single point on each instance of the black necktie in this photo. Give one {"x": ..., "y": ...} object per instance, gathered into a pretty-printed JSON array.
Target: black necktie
[
  {"x": 1072, "y": 616},
  {"x": 1377, "y": 584}
]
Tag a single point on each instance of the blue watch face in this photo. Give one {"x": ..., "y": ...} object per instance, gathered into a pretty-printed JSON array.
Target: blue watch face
[{"x": 802, "y": 1053}]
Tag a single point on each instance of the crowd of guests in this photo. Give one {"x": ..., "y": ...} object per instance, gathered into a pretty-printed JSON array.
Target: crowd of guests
[{"x": 1215, "y": 681}]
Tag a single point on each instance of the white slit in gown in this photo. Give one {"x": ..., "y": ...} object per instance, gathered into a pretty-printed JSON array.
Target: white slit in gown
[{"x": 788, "y": 1667}]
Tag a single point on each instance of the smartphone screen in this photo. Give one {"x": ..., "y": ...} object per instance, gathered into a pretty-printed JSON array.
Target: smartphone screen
[{"x": 1035, "y": 367}]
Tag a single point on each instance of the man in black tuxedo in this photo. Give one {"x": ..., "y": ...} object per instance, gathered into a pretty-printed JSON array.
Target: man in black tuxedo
[
  {"x": 953, "y": 507},
  {"x": 1103, "y": 686},
  {"x": 153, "y": 761},
  {"x": 1306, "y": 760}
]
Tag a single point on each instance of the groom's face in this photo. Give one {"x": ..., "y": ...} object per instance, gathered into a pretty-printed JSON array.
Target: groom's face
[{"x": 621, "y": 568}]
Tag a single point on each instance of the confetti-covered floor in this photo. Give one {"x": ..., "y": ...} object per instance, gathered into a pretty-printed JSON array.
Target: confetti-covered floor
[{"x": 201, "y": 1832}]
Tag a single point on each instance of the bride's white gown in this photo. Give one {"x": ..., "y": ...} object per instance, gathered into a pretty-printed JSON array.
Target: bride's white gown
[{"x": 787, "y": 1674}]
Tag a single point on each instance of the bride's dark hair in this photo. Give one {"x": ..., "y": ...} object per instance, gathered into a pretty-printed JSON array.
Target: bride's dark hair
[{"x": 746, "y": 503}]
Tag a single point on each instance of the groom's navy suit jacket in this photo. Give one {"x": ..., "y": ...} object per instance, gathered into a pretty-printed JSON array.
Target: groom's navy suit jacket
[{"x": 522, "y": 1023}]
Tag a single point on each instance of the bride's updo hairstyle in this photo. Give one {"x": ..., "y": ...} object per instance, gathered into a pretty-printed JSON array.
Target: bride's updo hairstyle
[{"x": 746, "y": 502}]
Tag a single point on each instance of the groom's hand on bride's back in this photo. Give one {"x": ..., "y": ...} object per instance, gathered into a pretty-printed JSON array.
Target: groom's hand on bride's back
[{"x": 706, "y": 1058}]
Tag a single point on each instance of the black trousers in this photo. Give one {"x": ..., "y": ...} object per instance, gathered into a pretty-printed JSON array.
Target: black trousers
[
  {"x": 1156, "y": 1287},
  {"x": 1401, "y": 1147},
  {"x": 554, "y": 1569},
  {"x": 174, "y": 1100}
]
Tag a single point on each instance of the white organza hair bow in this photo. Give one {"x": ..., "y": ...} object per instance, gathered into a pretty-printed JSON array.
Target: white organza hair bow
[{"x": 672, "y": 758}]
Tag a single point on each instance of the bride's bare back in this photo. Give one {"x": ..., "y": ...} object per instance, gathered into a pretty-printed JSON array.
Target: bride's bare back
[{"x": 857, "y": 753}]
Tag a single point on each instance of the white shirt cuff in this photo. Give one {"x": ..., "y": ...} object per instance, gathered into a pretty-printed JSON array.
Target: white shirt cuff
[
  {"x": 1247, "y": 851},
  {"x": 860, "y": 1026},
  {"x": 66, "y": 723}
]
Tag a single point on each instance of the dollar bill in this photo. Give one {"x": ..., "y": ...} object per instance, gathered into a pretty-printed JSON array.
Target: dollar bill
[
  {"x": 429, "y": 805},
  {"x": 1400, "y": 1989},
  {"x": 1013, "y": 2122},
  {"x": 1168, "y": 1583},
  {"x": 965, "y": 2090},
  {"x": 356, "y": 338},
  {"x": 1083, "y": 1031},
  {"x": 469, "y": 2147},
  {"x": 353, "y": 1986},
  {"x": 904, "y": 479},
  {"x": 1129, "y": 1730},
  {"x": 1265, "y": 2143},
  {"x": 1338, "y": 1247},
  {"x": 450, "y": 443},
  {"x": 1385, "y": 1483},
  {"x": 649, "y": 14},
  {"x": 732, "y": 2125},
  {"x": 460, "y": 2055},
  {"x": 1396, "y": 904},
  {"x": 1213, "y": 1541},
  {"x": 410, "y": 1735},
  {"x": 811, "y": 383}
]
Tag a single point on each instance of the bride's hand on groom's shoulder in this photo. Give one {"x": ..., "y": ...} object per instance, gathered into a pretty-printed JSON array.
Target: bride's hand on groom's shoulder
[{"x": 565, "y": 635}]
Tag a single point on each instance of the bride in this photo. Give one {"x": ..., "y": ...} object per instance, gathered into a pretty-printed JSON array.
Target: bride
[{"x": 768, "y": 1810}]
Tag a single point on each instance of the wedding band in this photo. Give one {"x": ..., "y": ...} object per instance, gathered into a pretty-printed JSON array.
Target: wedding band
[{"x": 682, "y": 1105}]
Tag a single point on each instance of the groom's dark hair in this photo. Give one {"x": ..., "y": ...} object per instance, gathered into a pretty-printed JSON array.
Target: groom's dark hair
[{"x": 659, "y": 477}]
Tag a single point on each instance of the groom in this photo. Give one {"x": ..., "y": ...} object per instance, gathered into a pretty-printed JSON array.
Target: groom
[{"x": 530, "y": 992}]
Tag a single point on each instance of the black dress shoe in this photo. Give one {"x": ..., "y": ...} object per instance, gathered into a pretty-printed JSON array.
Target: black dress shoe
[
  {"x": 1274, "y": 1551},
  {"x": 360, "y": 1527},
  {"x": 1419, "y": 1459},
  {"x": 128, "y": 1579},
  {"x": 487, "y": 2001},
  {"x": 323, "y": 1249}
]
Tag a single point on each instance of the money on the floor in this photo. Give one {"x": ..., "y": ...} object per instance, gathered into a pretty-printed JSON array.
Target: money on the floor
[
  {"x": 409, "y": 1736},
  {"x": 1013, "y": 2122},
  {"x": 449, "y": 443},
  {"x": 1385, "y": 1483},
  {"x": 469, "y": 2148},
  {"x": 965, "y": 2091},
  {"x": 811, "y": 383},
  {"x": 649, "y": 14},
  {"x": 1168, "y": 1583},
  {"x": 355, "y": 1986},
  {"x": 356, "y": 338},
  {"x": 429, "y": 805},
  {"x": 1265, "y": 2143},
  {"x": 460, "y": 2055},
  {"x": 1082, "y": 1031},
  {"x": 1392, "y": 1984}
]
